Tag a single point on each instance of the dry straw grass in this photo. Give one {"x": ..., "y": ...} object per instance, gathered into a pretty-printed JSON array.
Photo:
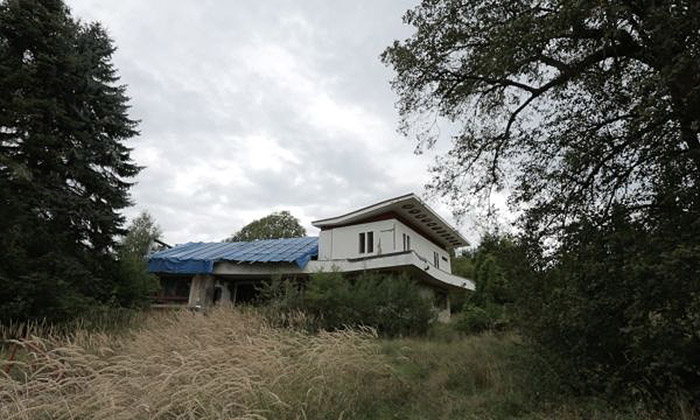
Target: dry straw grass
[{"x": 226, "y": 364}]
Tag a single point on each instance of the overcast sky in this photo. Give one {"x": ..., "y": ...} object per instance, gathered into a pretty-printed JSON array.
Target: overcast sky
[{"x": 250, "y": 107}]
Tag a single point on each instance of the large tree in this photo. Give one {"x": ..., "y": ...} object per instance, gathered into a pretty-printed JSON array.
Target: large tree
[
  {"x": 64, "y": 167},
  {"x": 574, "y": 105},
  {"x": 588, "y": 112},
  {"x": 273, "y": 226}
]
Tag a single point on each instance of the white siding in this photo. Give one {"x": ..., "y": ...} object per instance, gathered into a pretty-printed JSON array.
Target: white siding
[
  {"x": 343, "y": 242},
  {"x": 423, "y": 246}
]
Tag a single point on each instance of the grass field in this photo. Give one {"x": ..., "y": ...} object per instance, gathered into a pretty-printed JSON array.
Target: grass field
[{"x": 231, "y": 364}]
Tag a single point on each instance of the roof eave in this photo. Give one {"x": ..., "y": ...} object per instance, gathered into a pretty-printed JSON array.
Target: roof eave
[{"x": 357, "y": 214}]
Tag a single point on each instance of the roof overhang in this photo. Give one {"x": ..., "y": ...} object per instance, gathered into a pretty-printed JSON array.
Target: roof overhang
[
  {"x": 409, "y": 208},
  {"x": 399, "y": 260}
]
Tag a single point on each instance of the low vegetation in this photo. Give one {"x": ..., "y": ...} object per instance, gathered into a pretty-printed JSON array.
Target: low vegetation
[
  {"x": 393, "y": 305},
  {"x": 234, "y": 364},
  {"x": 226, "y": 364}
]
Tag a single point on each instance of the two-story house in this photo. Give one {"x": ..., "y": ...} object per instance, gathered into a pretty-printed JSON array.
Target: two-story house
[{"x": 400, "y": 234}]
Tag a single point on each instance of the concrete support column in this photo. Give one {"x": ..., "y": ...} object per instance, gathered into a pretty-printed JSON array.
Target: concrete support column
[
  {"x": 225, "y": 297},
  {"x": 201, "y": 291}
]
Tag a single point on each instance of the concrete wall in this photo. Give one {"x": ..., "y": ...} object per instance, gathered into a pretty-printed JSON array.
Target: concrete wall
[
  {"x": 343, "y": 242},
  {"x": 440, "y": 300},
  {"x": 202, "y": 291}
]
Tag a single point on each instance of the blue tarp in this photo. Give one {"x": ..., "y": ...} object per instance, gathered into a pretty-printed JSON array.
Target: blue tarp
[{"x": 199, "y": 257}]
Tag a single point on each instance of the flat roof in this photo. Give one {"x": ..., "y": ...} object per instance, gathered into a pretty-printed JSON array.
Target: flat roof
[{"x": 410, "y": 208}]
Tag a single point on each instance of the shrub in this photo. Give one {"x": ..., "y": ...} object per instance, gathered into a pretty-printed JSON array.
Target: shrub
[
  {"x": 392, "y": 304},
  {"x": 620, "y": 305},
  {"x": 473, "y": 320}
]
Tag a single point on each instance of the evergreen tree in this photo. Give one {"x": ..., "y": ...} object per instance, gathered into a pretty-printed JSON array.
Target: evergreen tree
[{"x": 64, "y": 167}]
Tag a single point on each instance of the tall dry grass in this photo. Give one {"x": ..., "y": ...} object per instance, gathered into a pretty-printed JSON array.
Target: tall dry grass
[{"x": 226, "y": 364}]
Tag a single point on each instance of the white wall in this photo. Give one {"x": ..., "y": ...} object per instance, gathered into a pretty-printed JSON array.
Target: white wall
[
  {"x": 423, "y": 246},
  {"x": 343, "y": 242}
]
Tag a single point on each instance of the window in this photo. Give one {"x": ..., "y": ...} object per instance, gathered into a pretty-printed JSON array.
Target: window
[
  {"x": 436, "y": 260},
  {"x": 406, "y": 242},
  {"x": 366, "y": 242}
]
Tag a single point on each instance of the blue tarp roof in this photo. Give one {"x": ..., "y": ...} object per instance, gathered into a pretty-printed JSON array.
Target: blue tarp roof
[{"x": 199, "y": 257}]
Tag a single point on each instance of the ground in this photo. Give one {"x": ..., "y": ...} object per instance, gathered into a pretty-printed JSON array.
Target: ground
[{"x": 234, "y": 364}]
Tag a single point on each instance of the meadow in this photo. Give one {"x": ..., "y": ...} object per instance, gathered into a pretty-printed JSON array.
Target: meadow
[{"x": 233, "y": 364}]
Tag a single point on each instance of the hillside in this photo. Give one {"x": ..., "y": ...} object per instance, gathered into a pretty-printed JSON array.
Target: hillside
[{"x": 233, "y": 364}]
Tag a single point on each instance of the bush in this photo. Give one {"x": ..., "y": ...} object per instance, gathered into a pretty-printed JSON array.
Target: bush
[
  {"x": 391, "y": 304},
  {"x": 475, "y": 319},
  {"x": 620, "y": 305},
  {"x": 472, "y": 320}
]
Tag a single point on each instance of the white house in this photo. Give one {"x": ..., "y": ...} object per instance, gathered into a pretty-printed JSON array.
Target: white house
[{"x": 400, "y": 234}]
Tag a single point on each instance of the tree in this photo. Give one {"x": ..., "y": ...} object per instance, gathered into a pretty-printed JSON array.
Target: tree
[
  {"x": 276, "y": 225},
  {"x": 138, "y": 284},
  {"x": 64, "y": 167},
  {"x": 576, "y": 106},
  {"x": 589, "y": 112},
  {"x": 141, "y": 236}
]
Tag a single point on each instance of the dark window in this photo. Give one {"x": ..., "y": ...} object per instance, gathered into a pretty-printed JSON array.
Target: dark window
[
  {"x": 218, "y": 292},
  {"x": 173, "y": 290},
  {"x": 362, "y": 243},
  {"x": 436, "y": 260},
  {"x": 245, "y": 293},
  {"x": 406, "y": 242},
  {"x": 370, "y": 242},
  {"x": 440, "y": 300}
]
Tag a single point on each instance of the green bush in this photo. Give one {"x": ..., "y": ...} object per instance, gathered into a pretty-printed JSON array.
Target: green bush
[
  {"x": 620, "y": 305},
  {"x": 392, "y": 304},
  {"x": 472, "y": 320}
]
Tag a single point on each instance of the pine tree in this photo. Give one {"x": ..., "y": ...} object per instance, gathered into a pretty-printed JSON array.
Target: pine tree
[{"x": 64, "y": 167}]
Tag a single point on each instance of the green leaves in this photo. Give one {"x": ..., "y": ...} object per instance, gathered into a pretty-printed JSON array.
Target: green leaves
[
  {"x": 575, "y": 106},
  {"x": 392, "y": 304},
  {"x": 274, "y": 226}
]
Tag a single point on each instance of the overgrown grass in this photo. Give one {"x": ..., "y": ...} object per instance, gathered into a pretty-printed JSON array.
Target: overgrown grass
[
  {"x": 489, "y": 377},
  {"x": 233, "y": 364},
  {"x": 225, "y": 364}
]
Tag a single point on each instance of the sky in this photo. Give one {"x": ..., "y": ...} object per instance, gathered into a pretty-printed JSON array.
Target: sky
[{"x": 248, "y": 107}]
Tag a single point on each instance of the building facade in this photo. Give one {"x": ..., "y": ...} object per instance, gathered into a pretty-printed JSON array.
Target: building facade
[{"x": 402, "y": 234}]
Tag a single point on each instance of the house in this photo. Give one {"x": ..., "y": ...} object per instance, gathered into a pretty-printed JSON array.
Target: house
[{"x": 400, "y": 234}]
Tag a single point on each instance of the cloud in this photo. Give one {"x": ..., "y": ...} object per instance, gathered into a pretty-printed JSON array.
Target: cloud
[{"x": 252, "y": 107}]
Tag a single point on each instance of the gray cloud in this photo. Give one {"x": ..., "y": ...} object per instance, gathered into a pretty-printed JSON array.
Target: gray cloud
[{"x": 249, "y": 107}]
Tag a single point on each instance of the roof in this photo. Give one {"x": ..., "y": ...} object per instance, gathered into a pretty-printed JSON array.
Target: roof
[
  {"x": 199, "y": 257},
  {"x": 410, "y": 208}
]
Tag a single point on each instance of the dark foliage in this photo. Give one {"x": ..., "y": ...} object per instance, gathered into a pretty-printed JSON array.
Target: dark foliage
[
  {"x": 138, "y": 284},
  {"x": 392, "y": 304},
  {"x": 496, "y": 265},
  {"x": 63, "y": 162},
  {"x": 575, "y": 105},
  {"x": 621, "y": 305},
  {"x": 589, "y": 112}
]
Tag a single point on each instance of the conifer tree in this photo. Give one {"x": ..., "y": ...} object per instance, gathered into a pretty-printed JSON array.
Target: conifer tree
[{"x": 64, "y": 166}]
